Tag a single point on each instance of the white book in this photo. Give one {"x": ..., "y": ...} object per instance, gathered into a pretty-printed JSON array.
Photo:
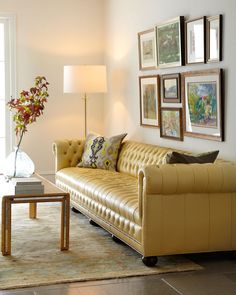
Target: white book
[
  {"x": 29, "y": 187},
  {"x": 25, "y": 180},
  {"x": 37, "y": 192},
  {"x": 29, "y": 192}
]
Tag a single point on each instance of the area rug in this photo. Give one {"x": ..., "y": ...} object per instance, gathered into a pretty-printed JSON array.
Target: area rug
[{"x": 37, "y": 260}]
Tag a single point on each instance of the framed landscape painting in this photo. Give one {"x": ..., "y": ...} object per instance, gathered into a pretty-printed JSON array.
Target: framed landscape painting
[
  {"x": 147, "y": 50},
  {"x": 149, "y": 100},
  {"x": 214, "y": 38},
  {"x": 171, "y": 123},
  {"x": 204, "y": 104},
  {"x": 170, "y": 85},
  {"x": 170, "y": 43},
  {"x": 195, "y": 41}
]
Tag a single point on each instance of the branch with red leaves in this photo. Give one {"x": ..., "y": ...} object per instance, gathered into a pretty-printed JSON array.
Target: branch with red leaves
[{"x": 29, "y": 106}]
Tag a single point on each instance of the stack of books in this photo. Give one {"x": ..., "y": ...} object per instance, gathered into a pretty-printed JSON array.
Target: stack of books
[{"x": 27, "y": 185}]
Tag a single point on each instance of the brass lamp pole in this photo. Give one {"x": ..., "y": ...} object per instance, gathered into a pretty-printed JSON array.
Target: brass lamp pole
[
  {"x": 85, "y": 79},
  {"x": 85, "y": 115}
]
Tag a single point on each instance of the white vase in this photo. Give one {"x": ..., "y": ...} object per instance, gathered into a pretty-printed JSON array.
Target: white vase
[{"x": 18, "y": 164}]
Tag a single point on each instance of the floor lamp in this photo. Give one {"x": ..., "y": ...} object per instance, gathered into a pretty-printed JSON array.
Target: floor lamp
[{"x": 85, "y": 79}]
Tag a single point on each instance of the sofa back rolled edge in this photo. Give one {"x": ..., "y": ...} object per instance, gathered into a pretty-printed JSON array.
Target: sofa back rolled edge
[{"x": 189, "y": 178}]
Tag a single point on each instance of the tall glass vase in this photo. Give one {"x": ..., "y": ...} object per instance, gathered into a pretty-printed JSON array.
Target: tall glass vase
[{"x": 18, "y": 164}]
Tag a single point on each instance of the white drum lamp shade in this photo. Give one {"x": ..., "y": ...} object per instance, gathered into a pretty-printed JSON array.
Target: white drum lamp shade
[{"x": 85, "y": 79}]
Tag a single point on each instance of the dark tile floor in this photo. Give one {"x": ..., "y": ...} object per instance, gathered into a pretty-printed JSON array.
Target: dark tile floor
[{"x": 218, "y": 277}]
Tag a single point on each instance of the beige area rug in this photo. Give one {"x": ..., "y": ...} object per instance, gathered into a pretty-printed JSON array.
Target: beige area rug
[{"x": 93, "y": 255}]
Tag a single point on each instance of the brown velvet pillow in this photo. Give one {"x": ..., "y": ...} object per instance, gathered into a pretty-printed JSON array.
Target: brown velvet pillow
[{"x": 175, "y": 158}]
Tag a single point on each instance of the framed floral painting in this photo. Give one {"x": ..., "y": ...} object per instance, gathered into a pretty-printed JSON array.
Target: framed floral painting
[
  {"x": 170, "y": 43},
  {"x": 171, "y": 123},
  {"x": 204, "y": 104},
  {"x": 147, "y": 49},
  {"x": 149, "y": 100}
]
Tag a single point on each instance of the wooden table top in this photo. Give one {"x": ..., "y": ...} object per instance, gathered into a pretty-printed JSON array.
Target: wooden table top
[{"x": 50, "y": 189}]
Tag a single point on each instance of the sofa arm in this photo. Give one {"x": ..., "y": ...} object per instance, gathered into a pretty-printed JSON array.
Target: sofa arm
[
  {"x": 186, "y": 178},
  {"x": 67, "y": 152},
  {"x": 187, "y": 208}
]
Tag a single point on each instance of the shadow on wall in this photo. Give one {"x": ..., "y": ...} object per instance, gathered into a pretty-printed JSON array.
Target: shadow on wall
[
  {"x": 117, "y": 116},
  {"x": 119, "y": 83}
]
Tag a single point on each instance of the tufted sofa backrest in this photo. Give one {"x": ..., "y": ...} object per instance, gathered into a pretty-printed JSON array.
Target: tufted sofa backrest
[{"x": 133, "y": 155}]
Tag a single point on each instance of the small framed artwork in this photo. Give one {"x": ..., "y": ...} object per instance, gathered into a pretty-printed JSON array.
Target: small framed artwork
[
  {"x": 170, "y": 43},
  {"x": 214, "y": 39},
  {"x": 171, "y": 123},
  {"x": 195, "y": 41},
  {"x": 147, "y": 50},
  {"x": 170, "y": 85},
  {"x": 204, "y": 104},
  {"x": 149, "y": 100}
]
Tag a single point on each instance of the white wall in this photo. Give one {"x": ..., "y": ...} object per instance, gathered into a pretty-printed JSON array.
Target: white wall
[
  {"x": 124, "y": 19},
  {"x": 51, "y": 34}
]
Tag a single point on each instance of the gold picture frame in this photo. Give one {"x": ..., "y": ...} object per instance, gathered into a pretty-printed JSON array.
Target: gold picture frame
[
  {"x": 147, "y": 49},
  {"x": 195, "y": 41},
  {"x": 149, "y": 100},
  {"x": 170, "y": 88},
  {"x": 214, "y": 38},
  {"x": 171, "y": 123},
  {"x": 170, "y": 43},
  {"x": 203, "y": 104}
]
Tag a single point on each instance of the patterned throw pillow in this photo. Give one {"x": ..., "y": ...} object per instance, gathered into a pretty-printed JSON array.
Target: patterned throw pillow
[{"x": 101, "y": 152}]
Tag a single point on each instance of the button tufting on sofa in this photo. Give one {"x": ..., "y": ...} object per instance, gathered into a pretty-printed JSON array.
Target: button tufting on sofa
[{"x": 156, "y": 208}]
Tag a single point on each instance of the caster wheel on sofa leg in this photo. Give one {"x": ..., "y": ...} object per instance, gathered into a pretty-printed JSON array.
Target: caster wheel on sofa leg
[
  {"x": 150, "y": 260},
  {"x": 73, "y": 209},
  {"x": 117, "y": 240},
  {"x": 93, "y": 223}
]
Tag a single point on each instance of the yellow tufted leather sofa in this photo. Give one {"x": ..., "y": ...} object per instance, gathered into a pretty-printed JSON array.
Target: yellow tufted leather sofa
[{"x": 155, "y": 208}]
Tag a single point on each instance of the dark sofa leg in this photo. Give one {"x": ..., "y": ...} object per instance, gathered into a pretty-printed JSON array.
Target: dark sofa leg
[
  {"x": 117, "y": 240},
  {"x": 93, "y": 223},
  {"x": 75, "y": 210},
  {"x": 233, "y": 255},
  {"x": 150, "y": 260}
]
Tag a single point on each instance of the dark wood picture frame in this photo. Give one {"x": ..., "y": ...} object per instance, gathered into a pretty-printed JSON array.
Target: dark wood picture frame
[
  {"x": 149, "y": 100},
  {"x": 189, "y": 39},
  {"x": 147, "y": 47},
  {"x": 165, "y": 34},
  {"x": 218, "y": 20},
  {"x": 177, "y": 133},
  {"x": 207, "y": 89},
  {"x": 175, "y": 97}
]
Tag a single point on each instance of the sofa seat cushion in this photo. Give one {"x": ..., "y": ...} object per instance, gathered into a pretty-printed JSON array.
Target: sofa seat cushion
[{"x": 111, "y": 195}]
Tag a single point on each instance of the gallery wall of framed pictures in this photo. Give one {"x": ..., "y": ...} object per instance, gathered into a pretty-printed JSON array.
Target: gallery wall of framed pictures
[{"x": 186, "y": 103}]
